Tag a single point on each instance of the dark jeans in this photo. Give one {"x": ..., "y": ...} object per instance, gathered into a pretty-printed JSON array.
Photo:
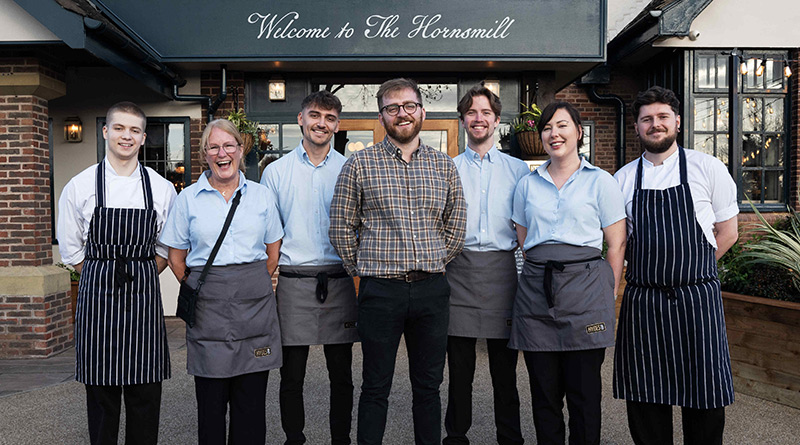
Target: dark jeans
[
  {"x": 246, "y": 395},
  {"x": 503, "y": 369},
  {"x": 142, "y": 409},
  {"x": 651, "y": 424},
  {"x": 575, "y": 374},
  {"x": 388, "y": 309},
  {"x": 339, "y": 360}
]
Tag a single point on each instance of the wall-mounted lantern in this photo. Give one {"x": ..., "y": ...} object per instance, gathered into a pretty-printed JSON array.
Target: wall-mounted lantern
[
  {"x": 73, "y": 129},
  {"x": 277, "y": 89}
]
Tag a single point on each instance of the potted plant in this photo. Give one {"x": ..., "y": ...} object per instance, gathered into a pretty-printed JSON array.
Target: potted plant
[
  {"x": 524, "y": 128},
  {"x": 74, "y": 278},
  {"x": 247, "y": 128},
  {"x": 761, "y": 296}
]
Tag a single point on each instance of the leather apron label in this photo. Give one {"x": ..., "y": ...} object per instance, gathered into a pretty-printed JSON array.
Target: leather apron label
[
  {"x": 349, "y": 324},
  {"x": 595, "y": 328},
  {"x": 263, "y": 352}
]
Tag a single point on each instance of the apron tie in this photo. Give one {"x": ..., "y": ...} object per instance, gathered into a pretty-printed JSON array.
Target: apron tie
[
  {"x": 670, "y": 291},
  {"x": 322, "y": 281},
  {"x": 322, "y": 287},
  {"x": 548, "y": 280}
]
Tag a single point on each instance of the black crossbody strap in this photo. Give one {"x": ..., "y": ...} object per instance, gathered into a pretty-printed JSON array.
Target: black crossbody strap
[{"x": 219, "y": 240}]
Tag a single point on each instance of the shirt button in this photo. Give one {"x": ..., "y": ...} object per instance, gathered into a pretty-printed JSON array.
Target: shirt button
[
  {"x": 412, "y": 212},
  {"x": 483, "y": 191},
  {"x": 418, "y": 261},
  {"x": 483, "y": 230}
]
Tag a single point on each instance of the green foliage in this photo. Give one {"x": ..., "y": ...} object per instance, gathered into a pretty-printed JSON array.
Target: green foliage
[
  {"x": 527, "y": 119},
  {"x": 744, "y": 271},
  {"x": 73, "y": 274},
  {"x": 244, "y": 125},
  {"x": 779, "y": 246}
]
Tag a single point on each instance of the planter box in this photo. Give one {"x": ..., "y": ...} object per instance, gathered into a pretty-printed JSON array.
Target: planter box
[{"x": 764, "y": 341}]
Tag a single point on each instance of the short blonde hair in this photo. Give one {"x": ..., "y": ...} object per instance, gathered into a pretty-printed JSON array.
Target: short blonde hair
[{"x": 226, "y": 126}]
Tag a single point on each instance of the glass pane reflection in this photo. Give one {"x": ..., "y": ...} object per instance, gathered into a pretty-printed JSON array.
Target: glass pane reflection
[
  {"x": 357, "y": 140},
  {"x": 437, "y": 139},
  {"x": 751, "y": 183},
  {"x": 703, "y": 114}
]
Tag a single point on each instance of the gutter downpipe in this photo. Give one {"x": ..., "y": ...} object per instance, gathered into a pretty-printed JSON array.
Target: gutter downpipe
[
  {"x": 619, "y": 104},
  {"x": 213, "y": 104}
]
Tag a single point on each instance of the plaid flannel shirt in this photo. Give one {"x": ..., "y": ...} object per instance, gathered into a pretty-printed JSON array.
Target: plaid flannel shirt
[{"x": 389, "y": 217}]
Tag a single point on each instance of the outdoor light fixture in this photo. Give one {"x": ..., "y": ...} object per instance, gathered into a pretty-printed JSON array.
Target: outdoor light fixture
[
  {"x": 277, "y": 89},
  {"x": 492, "y": 85},
  {"x": 743, "y": 67},
  {"x": 761, "y": 68},
  {"x": 73, "y": 129},
  {"x": 787, "y": 70}
]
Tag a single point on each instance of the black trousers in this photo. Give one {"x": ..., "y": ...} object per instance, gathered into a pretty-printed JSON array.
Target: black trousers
[
  {"x": 575, "y": 374},
  {"x": 651, "y": 424},
  {"x": 142, "y": 409},
  {"x": 387, "y": 310},
  {"x": 339, "y": 360},
  {"x": 246, "y": 395},
  {"x": 503, "y": 370}
]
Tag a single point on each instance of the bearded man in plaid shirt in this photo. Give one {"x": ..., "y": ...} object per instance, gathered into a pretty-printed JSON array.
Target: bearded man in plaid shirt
[{"x": 398, "y": 217}]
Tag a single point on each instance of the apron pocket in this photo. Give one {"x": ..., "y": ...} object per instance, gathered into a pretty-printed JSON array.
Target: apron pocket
[
  {"x": 250, "y": 317},
  {"x": 583, "y": 289}
]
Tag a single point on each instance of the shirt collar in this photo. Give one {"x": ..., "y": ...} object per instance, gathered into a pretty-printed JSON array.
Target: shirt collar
[
  {"x": 491, "y": 155},
  {"x": 303, "y": 154},
  {"x": 204, "y": 186},
  {"x": 542, "y": 169},
  {"x": 396, "y": 152},
  {"x": 668, "y": 161},
  {"x": 109, "y": 170}
]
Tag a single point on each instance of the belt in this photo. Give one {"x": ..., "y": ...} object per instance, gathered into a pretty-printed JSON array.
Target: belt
[
  {"x": 548, "y": 275},
  {"x": 322, "y": 281},
  {"x": 415, "y": 275},
  {"x": 121, "y": 274}
]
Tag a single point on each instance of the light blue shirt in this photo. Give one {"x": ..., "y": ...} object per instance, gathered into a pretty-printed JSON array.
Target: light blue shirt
[
  {"x": 489, "y": 185},
  {"x": 304, "y": 192},
  {"x": 199, "y": 212},
  {"x": 589, "y": 201}
]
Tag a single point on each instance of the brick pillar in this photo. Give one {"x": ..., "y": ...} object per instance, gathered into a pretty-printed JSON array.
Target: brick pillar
[{"x": 34, "y": 295}]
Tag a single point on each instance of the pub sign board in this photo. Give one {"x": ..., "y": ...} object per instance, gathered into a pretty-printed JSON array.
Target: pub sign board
[{"x": 239, "y": 30}]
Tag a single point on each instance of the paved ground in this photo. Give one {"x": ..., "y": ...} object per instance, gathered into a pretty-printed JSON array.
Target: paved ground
[{"x": 40, "y": 403}]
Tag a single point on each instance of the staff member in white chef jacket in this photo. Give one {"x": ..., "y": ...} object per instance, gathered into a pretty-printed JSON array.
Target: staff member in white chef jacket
[{"x": 109, "y": 218}]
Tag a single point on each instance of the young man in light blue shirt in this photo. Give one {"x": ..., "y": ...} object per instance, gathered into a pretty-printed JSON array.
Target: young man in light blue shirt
[
  {"x": 316, "y": 297},
  {"x": 483, "y": 278}
]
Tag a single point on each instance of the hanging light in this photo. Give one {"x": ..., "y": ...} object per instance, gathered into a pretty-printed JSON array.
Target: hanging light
[
  {"x": 761, "y": 68},
  {"x": 743, "y": 67},
  {"x": 787, "y": 70}
]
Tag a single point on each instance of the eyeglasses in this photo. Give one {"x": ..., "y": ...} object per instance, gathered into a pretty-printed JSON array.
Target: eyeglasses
[
  {"x": 393, "y": 109},
  {"x": 229, "y": 148}
]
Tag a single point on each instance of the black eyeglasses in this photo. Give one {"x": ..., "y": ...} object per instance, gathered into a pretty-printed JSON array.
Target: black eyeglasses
[{"x": 409, "y": 107}]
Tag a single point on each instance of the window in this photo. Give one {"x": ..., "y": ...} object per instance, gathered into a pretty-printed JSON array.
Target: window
[
  {"x": 761, "y": 123},
  {"x": 587, "y": 150},
  {"x": 166, "y": 148}
]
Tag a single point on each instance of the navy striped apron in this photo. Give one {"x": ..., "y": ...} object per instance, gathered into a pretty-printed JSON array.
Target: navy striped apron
[
  {"x": 672, "y": 347},
  {"x": 120, "y": 337}
]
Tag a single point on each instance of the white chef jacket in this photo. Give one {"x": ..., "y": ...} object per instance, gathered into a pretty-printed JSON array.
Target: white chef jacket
[
  {"x": 77, "y": 202},
  {"x": 713, "y": 189}
]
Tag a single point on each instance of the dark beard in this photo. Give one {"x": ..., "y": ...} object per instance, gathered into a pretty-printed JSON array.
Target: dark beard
[
  {"x": 659, "y": 147},
  {"x": 401, "y": 138}
]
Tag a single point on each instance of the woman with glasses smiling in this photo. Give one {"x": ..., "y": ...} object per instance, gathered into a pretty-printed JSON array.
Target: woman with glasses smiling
[{"x": 236, "y": 338}]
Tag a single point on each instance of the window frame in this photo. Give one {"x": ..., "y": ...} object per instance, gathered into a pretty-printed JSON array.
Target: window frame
[{"x": 736, "y": 141}]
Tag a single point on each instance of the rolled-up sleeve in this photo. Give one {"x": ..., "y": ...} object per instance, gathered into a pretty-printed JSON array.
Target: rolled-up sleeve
[
  {"x": 454, "y": 217},
  {"x": 344, "y": 216},
  {"x": 71, "y": 226}
]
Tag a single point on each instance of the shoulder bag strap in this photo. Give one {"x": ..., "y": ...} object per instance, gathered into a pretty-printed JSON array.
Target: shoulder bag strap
[{"x": 219, "y": 240}]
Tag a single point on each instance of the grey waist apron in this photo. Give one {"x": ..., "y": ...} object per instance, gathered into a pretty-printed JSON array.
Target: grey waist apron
[
  {"x": 120, "y": 336},
  {"x": 672, "y": 347},
  {"x": 317, "y": 305},
  {"x": 482, "y": 289},
  {"x": 574, "y": 312},
  {"x": 236, "y": 330}
]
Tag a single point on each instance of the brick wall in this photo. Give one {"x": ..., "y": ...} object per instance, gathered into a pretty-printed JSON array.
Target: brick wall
[
  {"x": 35, "y": 326},
  {"x": 35, "y": 303},
  {"x": 605, "y": 118},
  {"x": 24, "y": 182}
]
